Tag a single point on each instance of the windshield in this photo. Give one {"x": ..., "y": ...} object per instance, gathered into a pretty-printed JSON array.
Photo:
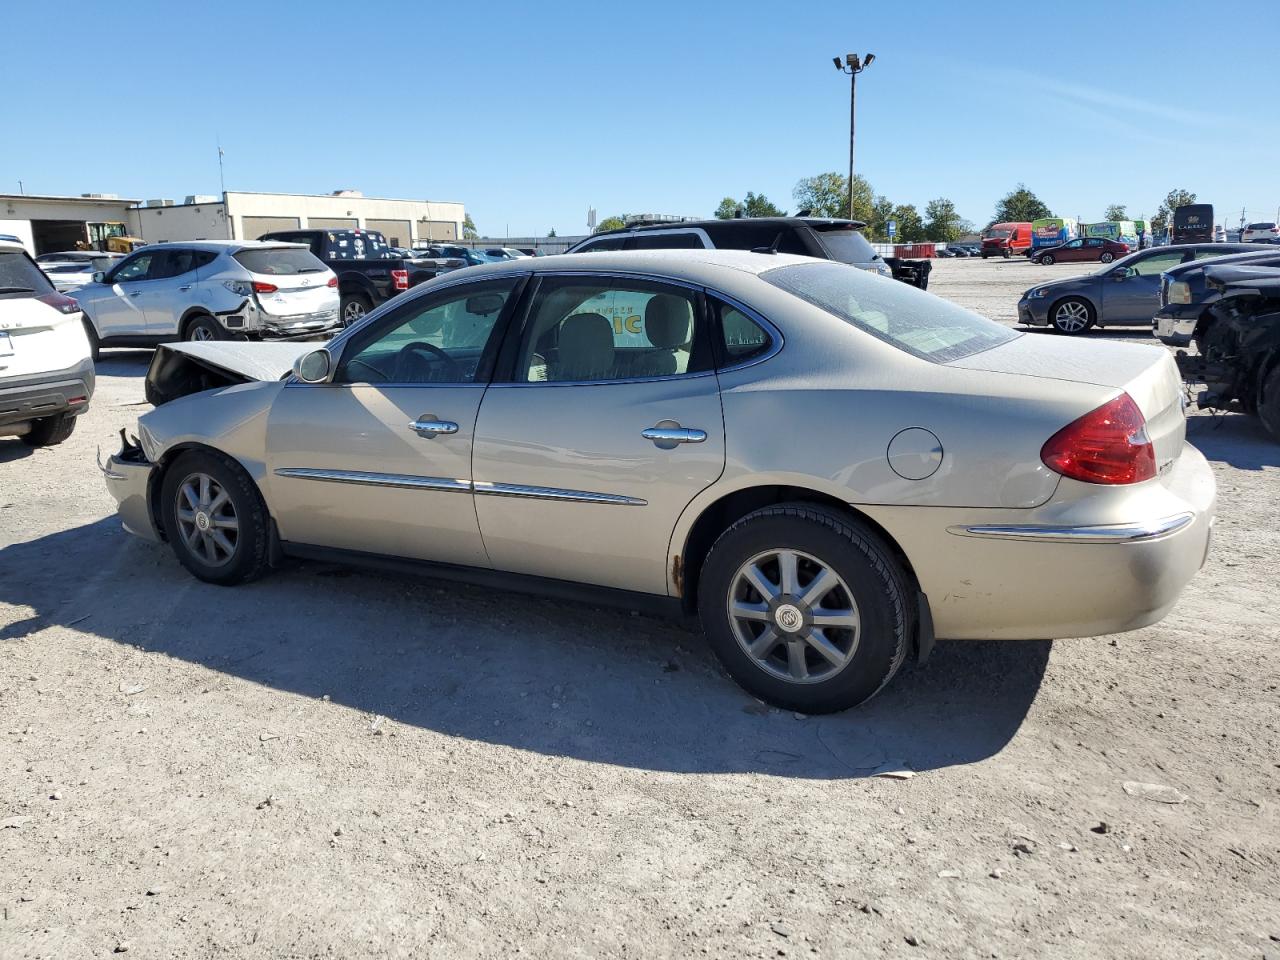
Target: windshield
[
  {"x": 279, "y": 261},
  {"x": 20, "y": 277},
  {"x": 845, "y": 244},
  {"x": 995, "y": 235},
  {"x": 911, "y": 320}
]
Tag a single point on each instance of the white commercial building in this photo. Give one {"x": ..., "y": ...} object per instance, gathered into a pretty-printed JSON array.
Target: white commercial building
[
  {"x": 49, "y": 224},
  {"x": 238, "y": 215}
]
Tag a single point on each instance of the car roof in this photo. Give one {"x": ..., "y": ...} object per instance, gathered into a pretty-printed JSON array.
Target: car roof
[
  {"x": 717, "y": 222},
  {"x": 10, "y": 246},
  {"x": 229, "y": 246},
  {"x": 1243, "y": 258}
]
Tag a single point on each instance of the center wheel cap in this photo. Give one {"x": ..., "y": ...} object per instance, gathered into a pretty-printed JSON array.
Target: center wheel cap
[
  {"x": 788, "y": 617},
  {"x": 202, "y": 520}
]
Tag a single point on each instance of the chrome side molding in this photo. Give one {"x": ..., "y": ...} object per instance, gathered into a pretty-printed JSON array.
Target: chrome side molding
[
  {"x": 479, "y": 487},
  {"x": 1101, "y": 533}
]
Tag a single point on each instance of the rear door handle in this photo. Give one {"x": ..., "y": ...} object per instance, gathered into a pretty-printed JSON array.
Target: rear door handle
[
  {"x": 427, "y": 426},
  {"x": 668, "y": 434},
  {"x": 186, "y": 287}
]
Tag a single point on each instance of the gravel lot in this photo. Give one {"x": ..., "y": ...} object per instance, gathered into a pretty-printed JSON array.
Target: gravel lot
[{"x": 330, "y": 762}]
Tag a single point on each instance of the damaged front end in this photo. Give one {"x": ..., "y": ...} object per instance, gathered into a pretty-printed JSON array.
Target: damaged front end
[
  {"x": 180, "y": 369},
  {"x": 129, "y": 476}
]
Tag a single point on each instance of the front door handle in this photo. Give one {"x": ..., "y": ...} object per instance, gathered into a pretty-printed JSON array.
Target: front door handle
[
  {"x": 428, "y": 426},
  {"x": 668, "y": 434}
]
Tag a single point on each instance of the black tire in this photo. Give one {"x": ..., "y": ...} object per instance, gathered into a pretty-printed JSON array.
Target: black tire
[
  {"x": 49, "y": 431},
  {"x": 1106, "y": 258},
  {"x": 353, "y": 307},
  {"x": 1007, "y": 253},
  {"x": 984, "y": 256},
  {"x": 95, "y": 345},
  {"x": 249, "y": 559},
  {"x": 1269, "y": 403},
  {"x": 1063, "y": 325},
  {"x": 1047, "y": 259},
  {"x": 203, "y": 327},
  {"x": 877, "y": 585}
]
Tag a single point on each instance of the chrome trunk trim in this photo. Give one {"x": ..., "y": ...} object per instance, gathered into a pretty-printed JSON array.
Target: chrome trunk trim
[{"x": 1102, "y": 533}]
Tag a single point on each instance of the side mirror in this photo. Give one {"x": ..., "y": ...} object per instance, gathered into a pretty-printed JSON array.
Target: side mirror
[
  {"x": 314, "y": 367},
  {"x": 99, "y": 276}
]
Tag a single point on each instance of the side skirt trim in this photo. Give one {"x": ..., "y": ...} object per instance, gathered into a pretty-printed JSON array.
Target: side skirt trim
[{"x": 481, "y": 487}]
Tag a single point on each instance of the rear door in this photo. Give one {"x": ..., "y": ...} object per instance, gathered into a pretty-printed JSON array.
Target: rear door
[
  {"x": 171, "y": 290},
  {"x": 609, "y": 424}
]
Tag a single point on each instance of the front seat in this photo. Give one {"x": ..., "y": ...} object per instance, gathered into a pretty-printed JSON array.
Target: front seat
[
  {"x": 585, "y": 350},
  {"x": 666, "y": 325}
]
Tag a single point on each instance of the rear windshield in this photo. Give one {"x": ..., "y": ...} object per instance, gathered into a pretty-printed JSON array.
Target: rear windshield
[
  {"x": 20, "y": 277},
  {"x": 1260, "y": 226},
  {"x": 279, "y": 261},
  {"x": 845, "y": 244},
  {"x": 911, "y": 320},
  {"x": 353, "y": 245}
]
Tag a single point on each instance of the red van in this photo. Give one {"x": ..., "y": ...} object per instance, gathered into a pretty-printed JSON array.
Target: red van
[{"x": 1006, "y": 239}]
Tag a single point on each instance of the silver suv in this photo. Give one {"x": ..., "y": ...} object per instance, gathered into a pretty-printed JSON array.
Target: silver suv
[{"x": 211, "y": 290}]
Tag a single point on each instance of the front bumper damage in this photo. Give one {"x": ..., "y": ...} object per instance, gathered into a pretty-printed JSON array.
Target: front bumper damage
[{"x": 129, "y": 477}]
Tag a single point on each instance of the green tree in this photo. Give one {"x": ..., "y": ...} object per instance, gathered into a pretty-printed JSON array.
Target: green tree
[
  {"x": 551, "y": 232},
  {"x": 910, "y": 226},
  {"x": 1116, "y": 211},
  {"x": 469, "y": 229},
  {"x": 943, "y": 224},
  {"x": 611, "y": 223},
  {"x": 881, "y": 214},
  {"x": 827, "y": 195},
  {"x": 753, "y": 205},
  {"x": 728, "y": 209},
  {"x": 1019, "y": 206},
  {"x": 1172, "y": 201}
]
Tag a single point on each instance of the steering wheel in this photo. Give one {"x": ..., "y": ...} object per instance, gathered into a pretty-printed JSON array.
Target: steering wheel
[{"x": 404, "y": 364}]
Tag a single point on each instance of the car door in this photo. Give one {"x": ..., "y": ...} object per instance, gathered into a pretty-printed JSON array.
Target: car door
[
  {"x": 1131, "y": 292},
  {"x": 378, "y": 459},
  {"x": 171, "y": 289},
  {"x": 118, "y": 305},
  {"x": 607, "y": 425},
  {"x": 1071, "y": 250}
]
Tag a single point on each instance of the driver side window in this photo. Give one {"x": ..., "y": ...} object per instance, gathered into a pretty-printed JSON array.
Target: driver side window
[
  {"x": 135, "y": 268},
  {"x": 435, "y": 339}
]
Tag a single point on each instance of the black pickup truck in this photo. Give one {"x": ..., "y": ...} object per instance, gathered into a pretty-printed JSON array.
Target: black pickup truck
[{"x": 368, "y": 274}]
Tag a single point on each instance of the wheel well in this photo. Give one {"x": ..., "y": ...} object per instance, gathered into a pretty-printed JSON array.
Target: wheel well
[
  {"x": 190, "y": 315},
  {"x": 729, "y": 509},
  {"x": 156, "y": 482}
]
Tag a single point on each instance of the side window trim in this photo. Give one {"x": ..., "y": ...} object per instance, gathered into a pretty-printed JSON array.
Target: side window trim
[
  {"x": 393, "y": 318},
  {"x": 723, "y": 362}
]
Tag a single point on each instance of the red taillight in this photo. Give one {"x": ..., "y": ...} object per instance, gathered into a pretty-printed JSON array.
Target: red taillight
[
  {"x": 59, "y": 302},
  {"x": 400, "y": 278},
  {"x": 333, "y": 282},
  {"x": 1107, "y": 445},
  {"x": 260, "y": 287}
]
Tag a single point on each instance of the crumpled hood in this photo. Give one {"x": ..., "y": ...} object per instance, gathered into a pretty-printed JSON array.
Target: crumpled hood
[{"x": 253, "y": 361}]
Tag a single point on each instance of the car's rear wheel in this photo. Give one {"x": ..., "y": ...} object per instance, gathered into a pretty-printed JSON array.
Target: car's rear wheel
[
  {"x": 354, "y": 307},
  {"x": 1047, "y": 258},
  {"x": 1107, "y": 257},
  {"x": 214, "y": 518},
  {"x": 805, "y": 607},
  {"x": 48, "y": 431},
  {"x": 1072, "y": 315},
  {"x": 203, "y": 328},
  {"x": 1007, "y": 253}
]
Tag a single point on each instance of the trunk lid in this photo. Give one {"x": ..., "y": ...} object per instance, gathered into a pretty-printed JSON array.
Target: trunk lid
[
  {"x": 289, "y": 280},
  {"x": 1147, "y": 374}
]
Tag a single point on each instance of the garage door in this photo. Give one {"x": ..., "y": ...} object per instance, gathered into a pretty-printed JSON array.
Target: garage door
[
  {"x": 255, "y": 227},
  {"x": 396, "y": 231},
  {"x": 437, "y": 230},
  {"x": 331, "y": 223}
]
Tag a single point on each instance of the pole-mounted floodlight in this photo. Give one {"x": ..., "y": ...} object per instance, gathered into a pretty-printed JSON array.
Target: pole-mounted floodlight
[{"x": 852, "y": 66}]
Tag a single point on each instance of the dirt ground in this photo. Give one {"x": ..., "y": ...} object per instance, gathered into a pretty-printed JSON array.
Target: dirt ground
[{"x": 334, "y": 763}]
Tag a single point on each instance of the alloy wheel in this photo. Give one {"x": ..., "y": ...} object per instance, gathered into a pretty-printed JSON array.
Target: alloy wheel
[
  {"x": 1071, "y": 317},
  {"x": 794, "y": 616},
  {"x": 352, "y": 312},
  {"x": 201, "y": 332},
  {"x": 207, "y": 520}
]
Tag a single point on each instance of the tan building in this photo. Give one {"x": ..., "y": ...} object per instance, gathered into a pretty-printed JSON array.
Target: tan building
[
  {"x": 238, "y": 215},
  {"x": 48, "y": 224}
]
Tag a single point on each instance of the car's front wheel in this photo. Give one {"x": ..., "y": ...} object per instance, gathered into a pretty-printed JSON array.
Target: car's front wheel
[
  {"x": 1047, "y": 258},
  {"x": 48, "y": 431},
  {"x": 214, "y": 518},
  {"x": 805, "y": 607},
  {"x": 1072, "y": 315},
  {"x": 1107, "y": 257}
]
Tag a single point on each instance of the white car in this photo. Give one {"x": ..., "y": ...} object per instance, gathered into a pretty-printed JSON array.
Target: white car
[
  {"x": 74, "y": 268},
  {"x": 46, "y": 372},
  {"x": 1261, "y": 233},
  {"x": 211, "y": 290}
]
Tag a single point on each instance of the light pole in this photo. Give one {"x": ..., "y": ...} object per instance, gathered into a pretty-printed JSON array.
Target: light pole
[{"x": 852, "y": 66}]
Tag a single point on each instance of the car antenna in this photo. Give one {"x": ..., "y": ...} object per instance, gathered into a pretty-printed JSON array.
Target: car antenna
[{"x": 771, "y": 248}]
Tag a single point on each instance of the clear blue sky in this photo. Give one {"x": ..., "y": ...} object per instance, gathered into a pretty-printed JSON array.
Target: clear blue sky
[{"x": 530, "y": 112}]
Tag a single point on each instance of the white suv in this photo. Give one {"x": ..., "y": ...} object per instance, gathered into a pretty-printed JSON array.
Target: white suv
[
  {"x": 1261, "y": 233},
  {"x": 46, "y": 374},
  {"x": 211, "y": 290}
]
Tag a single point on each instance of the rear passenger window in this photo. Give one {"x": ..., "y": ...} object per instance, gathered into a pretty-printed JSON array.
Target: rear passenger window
[
  {"x": 666, "y": 241},
  {"x": 742, "y": 337},
  {"x": 603, "y": 244}
]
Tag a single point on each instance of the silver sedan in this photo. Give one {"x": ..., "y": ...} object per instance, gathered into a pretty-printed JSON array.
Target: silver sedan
[{"x": 829, "y": 468}]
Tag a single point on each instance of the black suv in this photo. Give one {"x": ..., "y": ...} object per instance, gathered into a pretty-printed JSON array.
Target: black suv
[{"x": 820, "y": 237}]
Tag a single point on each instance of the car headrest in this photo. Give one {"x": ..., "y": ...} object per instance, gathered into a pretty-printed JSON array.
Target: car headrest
[
  {"x": 585, "y": 347},
  {"x": 666, "y": 321}
]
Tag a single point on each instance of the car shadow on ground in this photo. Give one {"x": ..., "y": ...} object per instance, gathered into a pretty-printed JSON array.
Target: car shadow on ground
[
  {"x": 1234, "y": 438},
  {"x": 552, "y": 677},
  {"x": 122, "y": 363},
  {"x": 12, "y": 449}
]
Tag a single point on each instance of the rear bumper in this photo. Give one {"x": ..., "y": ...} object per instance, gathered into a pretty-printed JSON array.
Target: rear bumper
[
  {"x": 48, "y": 394},
  {"x": 1050, "y": 573},
  {"x": 1174, "y": 326},
  {"x": 129, "y": 481}
]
